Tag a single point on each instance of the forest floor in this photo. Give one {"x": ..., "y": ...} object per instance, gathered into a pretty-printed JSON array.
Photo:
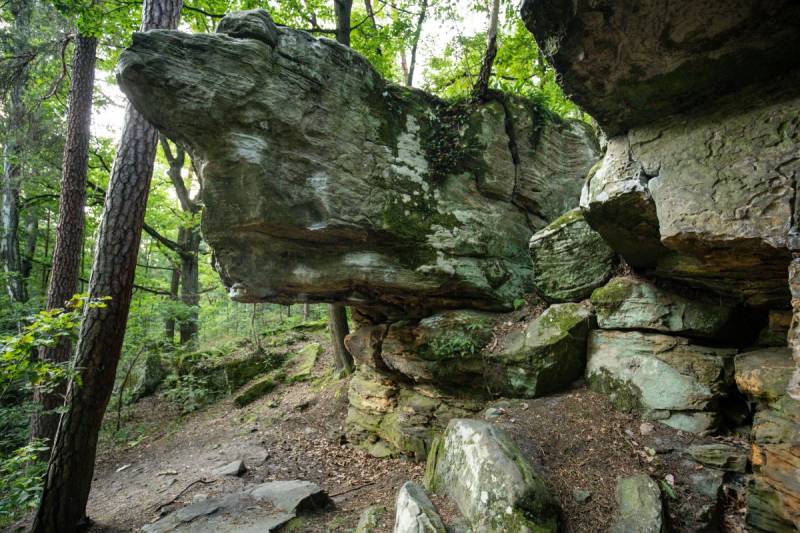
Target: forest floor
[{"x": 296, "y": 432}]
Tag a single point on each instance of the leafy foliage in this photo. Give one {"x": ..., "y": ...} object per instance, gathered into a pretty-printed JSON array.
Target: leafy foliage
[{"x": 21, "y": 481}]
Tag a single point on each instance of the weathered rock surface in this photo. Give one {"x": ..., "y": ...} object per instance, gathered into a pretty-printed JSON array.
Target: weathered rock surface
[
  {"x": 570, "y": 259},
  {"x": 639, "y": 506},
  {"x": 667, "y": 377},
  {"x": 634, "y": 303},
  {"x": 720, "y": 456},
  {"x": 777, "y": 328},
  {"x": 544, "y": 358},
  {"x": 628, "y": 65},
  {"x": 414, "y": 511},
  {"x": 764, "y": 374},
  {"x": 245, "y": 510},
  {"x": 481, "y": 468},
  {"x": 369, "y": 519},
  {"x": 234, "y": 468},
  {"x": 706, "y": 199},
  {"x": 323, "y": 182}
]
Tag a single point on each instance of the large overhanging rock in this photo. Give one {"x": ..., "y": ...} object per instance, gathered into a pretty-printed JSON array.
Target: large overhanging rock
[
  {"x": 707, "y": 198},
  {"x": 628, "y": 63},
  {"x": 323, "y": 182}
]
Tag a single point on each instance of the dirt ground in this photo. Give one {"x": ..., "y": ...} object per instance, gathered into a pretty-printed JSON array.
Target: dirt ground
[{"x": 576, "y": 438}]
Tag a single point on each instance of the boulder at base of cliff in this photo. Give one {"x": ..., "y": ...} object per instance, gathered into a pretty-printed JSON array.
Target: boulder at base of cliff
[
  {"x": 415, "y": 513},
  {"x": 496, "y": 489},
  {"x": 639, "y": 506},
  {"x": 668, "y": 378},
  {"x": 545, "y": 357},
  {"x": 570, "y": 259},
  {"x": 634, "y": 303}
]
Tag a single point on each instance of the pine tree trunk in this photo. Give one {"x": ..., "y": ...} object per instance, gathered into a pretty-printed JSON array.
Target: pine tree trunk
[
  {"x": 69, "y": 474},
  {"x": 415, "y": 43},
  {"x": 174, "y": 286},
  {"x": 342, "y": 10},
  {"x": 69, "y": 231},
  {"x": 189, "y": 239},
  {"x": 337, "y": 322}
]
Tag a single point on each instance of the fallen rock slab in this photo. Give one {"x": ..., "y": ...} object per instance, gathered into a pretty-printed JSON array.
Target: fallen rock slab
[
  {"x": 234, "y": 468},
  {"x": 720, "y": 456},
  {"x": 483, "y": 471},
  {"x": 639, "y": 506},
  {"x": 245, "y": 511},
  {"x": 415, "y": 513}
]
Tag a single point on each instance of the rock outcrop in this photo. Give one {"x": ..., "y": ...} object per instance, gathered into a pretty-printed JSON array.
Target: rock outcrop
[
  {"x": 323, "y": 182},
  {"x": 668, "y": 378},
  {"x": 570, "y": 259},
  {"x": 481, "y": 468}
]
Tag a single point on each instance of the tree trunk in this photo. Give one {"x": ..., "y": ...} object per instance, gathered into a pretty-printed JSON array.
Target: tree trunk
[
  {"x": 342, "y": 8},
  {"x": 69, "y": 231},
  {"x": 189, "y": 239},
  {"x": 482, "y": 86},
  {"x": 69, "y": 474},
  {"x": 415, "y": 43},
  {"x": 12, "y": 156},
  {"x": 337, "y": 322},
  {"x": 305, "y": 311},
  {"x": 174, "y": 285}
]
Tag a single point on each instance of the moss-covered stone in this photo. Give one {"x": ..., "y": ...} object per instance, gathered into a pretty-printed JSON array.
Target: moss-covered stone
[
  {"x": 255, "y": 391},
  {"x": 570, "y": 259},
  {"x": 634, "y": 303}
]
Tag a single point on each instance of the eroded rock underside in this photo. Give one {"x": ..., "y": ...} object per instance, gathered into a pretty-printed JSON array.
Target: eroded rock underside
[{"x": 655, "y": 269}]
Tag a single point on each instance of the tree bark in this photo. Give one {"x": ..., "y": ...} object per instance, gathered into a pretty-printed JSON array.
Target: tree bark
[
  {"x": 415, "y": 43},
  {"x": 174, "y": 286},
  {"x": 342, "y": 8},
  {"x": 71, "y": 467},
  {"x": 482, "y": 86},
  {"x": 337, "y": 322},
  {"x": 69, "y": 231},
  {"x": 189, "y": 239},
  {"x": 12, "y": 155}
]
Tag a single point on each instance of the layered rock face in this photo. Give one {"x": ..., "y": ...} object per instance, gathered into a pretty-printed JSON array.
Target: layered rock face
[
  {"x": 697, "y": 189},
  {"x": 323, "y": 182}
]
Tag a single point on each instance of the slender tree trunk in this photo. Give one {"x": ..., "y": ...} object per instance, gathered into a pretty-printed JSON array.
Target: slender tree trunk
[
  {"x": 337, "y": 322},
  {"x": 305, "y": 311},
  {"x": 190, "y": 283},
  {"x": 31, "y": 225},
  {"x": 415, "y": 43},
  {"x": 71, "y": 467},
  {"x": 174, "y": 285},
  {"x": 69, "y": 231},
  {"x": 12, "y": 156},
  {"x": 481, "y": 89},
  {"x": 342, "y": 8}
]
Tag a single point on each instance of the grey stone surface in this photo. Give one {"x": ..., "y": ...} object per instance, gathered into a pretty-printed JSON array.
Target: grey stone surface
[
  {"x": 244, "y": 512},
  {"x": 635, "y": 303},
  {"x": 570, "y": 259},
  {"x": 483, "y": 471},
  {"x": 629, "y": 64},
  {"x": 234, "y": 468},
  {"x": 668, "y": 378},
  {"x": 720, "y": 456},
  {"x": 368, "y": 193},
  {"x": 369, "y": 518},
  {"x": 639, "y": 506},
  {"x": 414, "y": 512}
]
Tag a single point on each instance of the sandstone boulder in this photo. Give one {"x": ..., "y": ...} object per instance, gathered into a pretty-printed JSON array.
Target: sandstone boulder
[
  {"x": 570, "y": 259},
  {"x": 414, "y": 511},
  {"x": 496, "y": 489},
  {"x": 627, "y": 64},
  {"x": 547, "y": 356},
  {"x": 764, "y": 374},
  {"x": 324, "y": 182},
  {"x": 634, "y": 303},
  {"x": 668, "y": 378},
  {"x": 639, "y": 506}
]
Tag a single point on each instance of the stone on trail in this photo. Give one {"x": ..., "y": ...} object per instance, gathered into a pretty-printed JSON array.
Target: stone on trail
[
  {"x": 415, "y": 513},
  {"x": 482, "y": 470},
  {"x": 570, "y": 259},
  {"x": 639, "y": 506},
  {"x": 234, "y": 468},
  {"x": 304, "y": 361},
  {"x": 244, "y": 511},
  {"x": 634, "y": 303},
  {"x": 369, "y": 519}
]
